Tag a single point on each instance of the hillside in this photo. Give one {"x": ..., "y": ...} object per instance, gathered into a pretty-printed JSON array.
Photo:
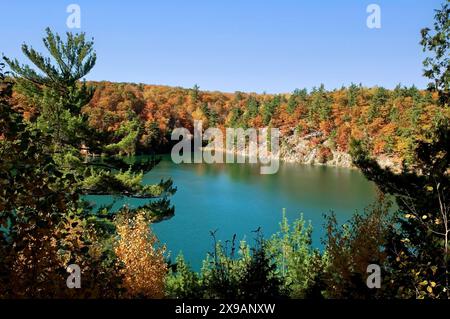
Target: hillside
[{"x": 316, "y": 126}]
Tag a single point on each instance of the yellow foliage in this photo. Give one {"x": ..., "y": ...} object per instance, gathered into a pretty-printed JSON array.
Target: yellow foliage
[{"x": 142, "y": 264}]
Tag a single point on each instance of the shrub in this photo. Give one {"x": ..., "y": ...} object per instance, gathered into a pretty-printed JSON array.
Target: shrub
[{"x": 143, "y": 267}]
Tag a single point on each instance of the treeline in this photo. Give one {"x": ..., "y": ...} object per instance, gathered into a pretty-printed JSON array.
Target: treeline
[
  {"x": 392, "y": 121},
  {"x": 139, "y": 118}
]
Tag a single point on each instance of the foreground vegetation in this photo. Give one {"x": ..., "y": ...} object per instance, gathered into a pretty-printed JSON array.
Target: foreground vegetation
[{"x": 44, "y": 172}]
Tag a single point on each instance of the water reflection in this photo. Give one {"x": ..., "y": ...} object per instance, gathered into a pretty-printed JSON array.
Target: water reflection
[{"x": 236, "y": 198}]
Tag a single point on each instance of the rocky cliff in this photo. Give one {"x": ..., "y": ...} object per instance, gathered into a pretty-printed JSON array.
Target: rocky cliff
[{"x": 313, "y": 149}]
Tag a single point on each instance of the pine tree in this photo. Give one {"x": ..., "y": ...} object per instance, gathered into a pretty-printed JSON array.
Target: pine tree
[{"x": 54, "y": 86}]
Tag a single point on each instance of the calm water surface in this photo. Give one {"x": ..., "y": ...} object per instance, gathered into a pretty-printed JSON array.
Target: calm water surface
[{"x": 237, "y": 199}]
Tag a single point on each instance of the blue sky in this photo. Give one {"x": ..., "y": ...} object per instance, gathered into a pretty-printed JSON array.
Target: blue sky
[{"x": 229, "y": 45}]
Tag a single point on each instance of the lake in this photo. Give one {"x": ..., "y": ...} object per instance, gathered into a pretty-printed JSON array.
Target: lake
[{"x": 237, "y": 199}]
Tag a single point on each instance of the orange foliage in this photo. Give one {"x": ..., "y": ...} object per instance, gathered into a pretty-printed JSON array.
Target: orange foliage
[{"x": 405, "y": 110}]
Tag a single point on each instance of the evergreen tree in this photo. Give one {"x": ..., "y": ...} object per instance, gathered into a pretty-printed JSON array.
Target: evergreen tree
[
  {"x": 292, "y": 104},
  {"x": 252, "y": 107},
  {"x": 195, "y": 93},
  {"x": 42, "y": 223},
  {"x": 379, "y": 99},
  {"x": 55, "y": 88},
  {"x": 437, "y": 64},
  {"x": 269, "y": 109},
  {"x": 54, "y": 85},
  {"x": 320, "y": 108},
  {"x": 352, "y": 95}
]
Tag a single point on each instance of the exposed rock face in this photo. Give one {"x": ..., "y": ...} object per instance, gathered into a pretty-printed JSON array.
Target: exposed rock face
[
  {"x": 312, "y": 149},
  {"x": 297, "y": 149}
]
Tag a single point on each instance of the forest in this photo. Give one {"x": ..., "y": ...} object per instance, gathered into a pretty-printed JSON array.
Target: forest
[
  {"x": 391, "y": 121},
  {"x": 51, "y": 120}
]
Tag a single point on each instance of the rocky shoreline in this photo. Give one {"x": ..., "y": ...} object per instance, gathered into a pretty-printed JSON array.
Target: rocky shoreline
[{"x": 307, "y": 150}]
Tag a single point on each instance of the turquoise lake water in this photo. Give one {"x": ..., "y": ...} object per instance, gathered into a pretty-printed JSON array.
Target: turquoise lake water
[{"x": 237, "y": 199}]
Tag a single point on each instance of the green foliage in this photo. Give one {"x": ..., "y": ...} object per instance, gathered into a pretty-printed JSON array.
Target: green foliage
[
  {"x": 212, "y": 116},
  {"x": 352, "y": 95},
  {"x": 437, "y": 64},
  {"x": 128, "y": 183},
  {"x": 269, "y": 108},
  {"x": 297, "y": 263},
  {"x": 292, "y": 104},
  {"x": 195, "y": 93},
  {"x": 55, "y": 87},
  {"x": 128, "y": 134},
  {"x": 151, "y": 138},
  {"x": 252, "y": 107},
  {"x": 379, "y": 99},
  {"x": 283, "y": 266},
  {"x": 260, "y": 279},
  {"x": 183, "y": 282},
  {"x": 320, "y": 108},
  {"x": 297, "y": 97},
  {"x": 235, "y": 119},
  {"x": 251, "y": 274}
]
